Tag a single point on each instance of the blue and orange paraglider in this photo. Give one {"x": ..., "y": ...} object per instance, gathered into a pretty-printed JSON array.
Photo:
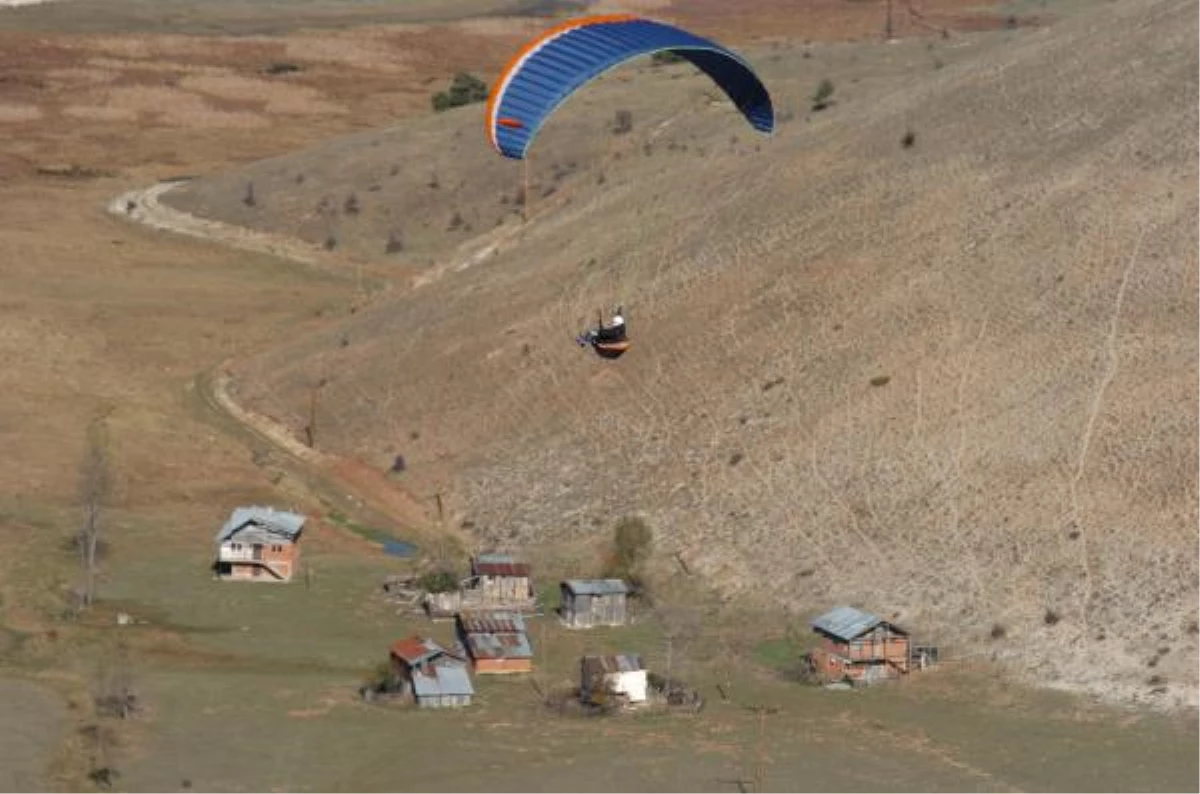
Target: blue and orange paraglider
[{"x": 551, "y": 67}]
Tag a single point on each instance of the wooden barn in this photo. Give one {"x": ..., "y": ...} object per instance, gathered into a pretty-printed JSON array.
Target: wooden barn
[
  {"x": 584, "y": 603},
  {"x": 497, "y": 581},
  {"x": 429, "y": 674},
  {"x": 859, "y": 646},
  {"x": 500, "y": 579},
  {"x": 259, "y": 544},
  {"x": 496, "y": 642}
]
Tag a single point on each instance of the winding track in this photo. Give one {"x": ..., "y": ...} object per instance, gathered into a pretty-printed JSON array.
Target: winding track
[{"x": 354, "y": 486}]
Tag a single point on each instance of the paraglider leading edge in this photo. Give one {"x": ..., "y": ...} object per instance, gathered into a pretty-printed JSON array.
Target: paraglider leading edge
[{"x": 549, "y": 68}]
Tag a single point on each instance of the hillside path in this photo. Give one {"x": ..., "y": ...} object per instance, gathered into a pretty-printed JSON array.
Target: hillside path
[{"x": 368, "y": 490}]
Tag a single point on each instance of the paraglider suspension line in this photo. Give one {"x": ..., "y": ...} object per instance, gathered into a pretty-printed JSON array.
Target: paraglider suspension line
[{"x": 525, "y": 189}]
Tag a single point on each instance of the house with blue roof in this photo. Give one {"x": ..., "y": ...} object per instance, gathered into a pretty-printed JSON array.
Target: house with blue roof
[
  {"x": 259, "y": 544},
  {"x": 859, "y": 647}
]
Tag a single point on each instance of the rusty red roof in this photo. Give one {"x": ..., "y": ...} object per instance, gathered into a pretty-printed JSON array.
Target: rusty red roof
[
  {"x": 495, "y": 635},
  {"x": 501, "y": 568},
  {"x": 491, "y": 622},
  {"x": 414, "y": 649}
]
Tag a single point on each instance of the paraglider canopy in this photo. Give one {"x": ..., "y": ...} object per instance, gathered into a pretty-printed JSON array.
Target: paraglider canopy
[{"x": 548, "y": 69}]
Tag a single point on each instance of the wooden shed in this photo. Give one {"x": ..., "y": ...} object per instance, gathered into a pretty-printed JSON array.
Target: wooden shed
[
  {"x": 859, "y": 646},
  {"x": 431, "y": 675},
  {"x": 500, "y": 579},
  {"x": 584, "y": 603},
  {"x": 497, "y": 642}
]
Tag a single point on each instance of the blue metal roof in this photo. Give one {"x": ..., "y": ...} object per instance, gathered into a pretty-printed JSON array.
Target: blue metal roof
[
  {"x": 846, "y": 623},
  {"x": 595, "y": 587},
  {"x": 277, "y": 522},
  {"x": 552, "y": 66},
  {"x": 442, "y": 679}
]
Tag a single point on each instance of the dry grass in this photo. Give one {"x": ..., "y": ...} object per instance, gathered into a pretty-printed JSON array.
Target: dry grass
[
  {"x": 273, "y": 98},
  {"x": 15, "y": 114}
]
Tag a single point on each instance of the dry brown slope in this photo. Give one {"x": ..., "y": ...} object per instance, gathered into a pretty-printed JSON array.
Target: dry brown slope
[{"x": 1024, "y": 276}]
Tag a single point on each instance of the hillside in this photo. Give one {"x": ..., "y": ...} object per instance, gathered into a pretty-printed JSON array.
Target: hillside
[{"x": 955, "y": 380}]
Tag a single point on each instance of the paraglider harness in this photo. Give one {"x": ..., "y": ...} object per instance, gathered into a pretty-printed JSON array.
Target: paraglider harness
[{"x": 609, "y": 341}]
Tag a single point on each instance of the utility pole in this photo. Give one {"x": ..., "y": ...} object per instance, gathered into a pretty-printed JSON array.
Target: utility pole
[
  {"x": 760, "y": 750},
  {"x": 760, "y": 760},
  {"x": 667, "y": 685},
  {"x": 525, "y": 189},
  {"x": 311, "y": 430}
]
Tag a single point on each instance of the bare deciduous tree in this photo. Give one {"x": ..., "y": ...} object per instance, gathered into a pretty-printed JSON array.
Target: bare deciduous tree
[
  {"x": 112, "y": 689},
  {"x": 95, "y": 485}
]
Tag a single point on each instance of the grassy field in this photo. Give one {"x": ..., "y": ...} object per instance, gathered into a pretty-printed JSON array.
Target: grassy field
[
  {"x": 29, "y": 732},
  {"x": 246, "y": 687}
]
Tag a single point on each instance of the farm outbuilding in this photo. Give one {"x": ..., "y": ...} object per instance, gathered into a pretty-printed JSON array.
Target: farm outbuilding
[
  {"x": 621, "y": 676},
  {"x": 433, "y": 676},
  {"x": 500, "y": 579},
  {"x": 496, "y": 642},
  {"x": 496, "y": 581},
  {"x": 259, "y": 544},
  {"x": 584, "y": 603},
  {"x": 859, "y": 646}
]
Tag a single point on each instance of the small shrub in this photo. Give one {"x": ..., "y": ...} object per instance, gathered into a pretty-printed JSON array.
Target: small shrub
[
  {"x": 666, "y": 57},
  {"x": 736, "y": 458},
  {"x": 330, "y": 242},
  {"x": 1051, "y": 617},
  {"x": 395, "y": 169},
  {"x": 350, "y": 207},
  {"x": 456, "y": 222},
  {"x": 632, "y": 540},
  {"x": 908, "y": 140},
  {"x": 282, "y": 67},
  {"x": 433, "y": 183},
  {"x": 395, "y": 243},
  {"x": 465, "y": 89},
  {"x": 822, "y": 98},
  {"x": 299, "y": 179},
  {"x": 998, "y": 632},
  {"x": 881, "y": 380},
  {"x": 622, "y": 122},
  {"x": 438, "y": 582}
]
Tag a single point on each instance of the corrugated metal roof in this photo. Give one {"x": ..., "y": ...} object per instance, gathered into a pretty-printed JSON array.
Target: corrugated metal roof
[
  {"x": 498, "y": 565},
  {"x": 442, "y": 679},
  {"x": 846, "y": 623},
  {"x": 415, "y": 650},
  {"x": 596, "y": 587},
  {"x": 613, "y": 663},
  {"x": 495, "y": 635},
  {"x": 491, "y": 622},
  {"x": 278, "y": 522}
]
